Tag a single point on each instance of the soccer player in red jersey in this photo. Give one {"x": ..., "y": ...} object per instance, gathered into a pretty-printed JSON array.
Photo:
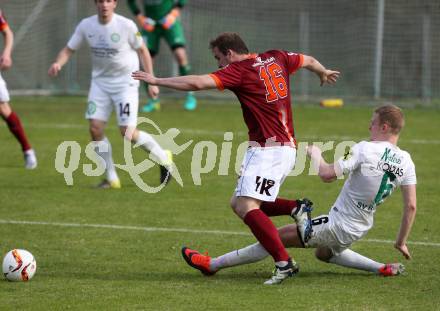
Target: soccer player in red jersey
[
  {"x": 261, "y": 84},
  {"x": 10, "y": 117}
]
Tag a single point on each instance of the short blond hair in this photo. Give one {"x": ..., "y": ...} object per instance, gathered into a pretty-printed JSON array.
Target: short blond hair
[{"x": 391, "y": 115}]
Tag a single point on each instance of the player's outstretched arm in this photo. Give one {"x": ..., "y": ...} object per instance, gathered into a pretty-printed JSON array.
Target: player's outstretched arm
[
  {"x": 327, "y": 172},
  {"x": 324, "y": 74},
  {"x": 62, "y": 58},
  {"x": 182, "y": 83},
  {"x": 5, "y": 58},
  {"x": 147, "y": 65},
  {"x": 409, "y": 214}
]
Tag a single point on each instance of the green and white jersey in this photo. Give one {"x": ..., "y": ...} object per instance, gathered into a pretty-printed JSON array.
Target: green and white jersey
[
  {"x": 374, "y": 170},
  {"x": 113, "y": 49}
]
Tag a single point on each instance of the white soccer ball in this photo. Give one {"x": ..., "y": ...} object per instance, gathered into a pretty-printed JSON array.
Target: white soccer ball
[{"x": 19, "y": 265}]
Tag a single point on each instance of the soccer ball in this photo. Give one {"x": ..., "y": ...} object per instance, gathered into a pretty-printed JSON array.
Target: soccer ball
[{"x": 19, "y": 265}]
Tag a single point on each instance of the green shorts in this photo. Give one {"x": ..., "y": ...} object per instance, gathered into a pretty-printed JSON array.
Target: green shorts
[{"x": 174, "y": 37}]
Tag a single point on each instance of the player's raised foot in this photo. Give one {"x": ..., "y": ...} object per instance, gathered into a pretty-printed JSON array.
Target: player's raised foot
[
  {"x": 279, "y": 274},
  {"x": 105, "y": 184},
  {"x": 30, "y": 159},
  {"x": 198, "y": 261},
  {"x": 190, "y": 102},
  {"x": 391, "y": 269},
  {"x": 165, "y": 168},
  {"x": 151, "y": 105},
  {"x": 303, "y": 218}
]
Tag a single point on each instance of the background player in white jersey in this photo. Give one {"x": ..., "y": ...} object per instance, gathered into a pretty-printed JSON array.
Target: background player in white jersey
[
  {"x": 374, "y": 169},
  {"x": 10, "y": 117},
  {"x": 116, "y": 46}
]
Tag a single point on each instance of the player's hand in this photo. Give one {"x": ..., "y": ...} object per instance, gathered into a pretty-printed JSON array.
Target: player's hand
[
  {"x": 329, "y": 76},
  {"x": 404, "y": 250},
  {"x": 313, "y": 151},
  {"x": 168, "y": 21},
  {"x": 54, "y": 70},
  {"x": 143, "y": 76},
  {"x": 146, "y": 23},
  {"x": 153, "y": 91},
  {"x": 5, "y": 62}
]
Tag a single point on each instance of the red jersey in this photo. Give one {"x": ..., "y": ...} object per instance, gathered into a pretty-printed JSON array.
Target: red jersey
[
  {"x": 3, "y": 23},
  {"x": 261, "y": 84}
]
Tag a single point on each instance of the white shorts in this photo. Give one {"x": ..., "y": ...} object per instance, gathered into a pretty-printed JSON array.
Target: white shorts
[
  {"x": 263, "y": 171},
  {"x": 331, "y": 234},
  {"x": 124, "y": 100},
  {"x": 4, "y": 94}
]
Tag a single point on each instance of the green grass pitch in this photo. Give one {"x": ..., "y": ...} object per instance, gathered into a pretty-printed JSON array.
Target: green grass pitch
[{"x": 129, "y": 268}]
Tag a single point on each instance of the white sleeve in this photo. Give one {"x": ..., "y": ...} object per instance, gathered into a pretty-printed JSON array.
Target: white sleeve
[
  {"x": 77, "y": 38},
  {"x": 134, "y": 36},
  {"x": 351, "y": 159},
  {"x": 410, "y": 175}
]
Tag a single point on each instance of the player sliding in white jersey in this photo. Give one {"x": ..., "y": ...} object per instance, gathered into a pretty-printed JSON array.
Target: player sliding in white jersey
[
  {"x": 374, "y": 169},
  {"x": 115, "y": 46}
]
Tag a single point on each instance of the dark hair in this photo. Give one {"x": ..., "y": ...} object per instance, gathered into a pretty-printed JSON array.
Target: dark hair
[
  {"x": 229, "y": 41},
  {"x": 391, "y": 115}
]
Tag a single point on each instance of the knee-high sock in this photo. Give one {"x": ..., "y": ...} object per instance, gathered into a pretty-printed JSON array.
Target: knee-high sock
[
  {"x": 14, "y": 125},
  {"x": 267, "y": 234},
  {"x": 242, "y": 256},
  {"x": 279, "y": 207},
  {"x": 148, "y": 143},
  {"x": 351, "y": 259},
  {"x": 108, "y": 159}
]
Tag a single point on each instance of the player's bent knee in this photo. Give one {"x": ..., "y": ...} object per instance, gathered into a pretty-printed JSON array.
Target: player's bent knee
[
  {"x": 233, "y": 202},
  {"x": 323, "y": 254},
  {"x": 96, "y": 132},
  {"x": 129, "y": 133},
  {"x": 5, "y": 109}
]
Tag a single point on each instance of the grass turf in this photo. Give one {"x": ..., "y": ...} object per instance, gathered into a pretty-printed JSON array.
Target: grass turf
[{"x": 95, "y": 268}]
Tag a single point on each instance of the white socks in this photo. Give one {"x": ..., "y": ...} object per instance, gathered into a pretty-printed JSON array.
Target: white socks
[
  {"x": 351, "y": 259},
  {"x": 256, "y": 252},
  {"x": 107, "y": 157},
  {"x": 249, "y": 254},
  {"x": 147, "y": 142}
]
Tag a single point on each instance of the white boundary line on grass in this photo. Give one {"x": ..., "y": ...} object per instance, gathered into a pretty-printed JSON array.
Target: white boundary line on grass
[
  {"x": 161, "y": 229},
  {"x": 237, "y": 133}
]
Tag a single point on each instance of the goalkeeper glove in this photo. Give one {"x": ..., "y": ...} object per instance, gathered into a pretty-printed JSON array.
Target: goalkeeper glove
[
  {"x": 146, "y": 23},
  {"x": 149, "y": 24},
  {"x": 168, "y": 21}
]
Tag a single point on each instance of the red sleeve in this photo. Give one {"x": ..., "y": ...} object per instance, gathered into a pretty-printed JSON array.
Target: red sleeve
[
  {"x": 227, "y": 77},
  {"x": 294, "y": 61},
  {"x": 3, "y": 22}
]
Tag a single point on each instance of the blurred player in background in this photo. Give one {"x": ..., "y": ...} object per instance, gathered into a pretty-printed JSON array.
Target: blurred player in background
[
  {"x": 116, "y": 47},
  {"x": 10, "y": 117},
  {"x": 374, "y": 170},
  {"x": 161, "y": 18},
  {"x": 261, "y": 83}
]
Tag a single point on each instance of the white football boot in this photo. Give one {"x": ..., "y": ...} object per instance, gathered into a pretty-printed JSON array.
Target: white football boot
[
  {"x": 30, "y": 159},
  {"x": 303, "y": 218}
]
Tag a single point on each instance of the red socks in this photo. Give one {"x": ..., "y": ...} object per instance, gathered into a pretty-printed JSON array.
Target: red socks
[
  {"x": 267, "y": 234},
  {"x": 278, "y": 208},
  {"x": 16, "y": 128}
]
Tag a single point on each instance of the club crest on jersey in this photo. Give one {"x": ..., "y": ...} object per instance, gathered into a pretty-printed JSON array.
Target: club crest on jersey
[{"x": 115, "y": 37}]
